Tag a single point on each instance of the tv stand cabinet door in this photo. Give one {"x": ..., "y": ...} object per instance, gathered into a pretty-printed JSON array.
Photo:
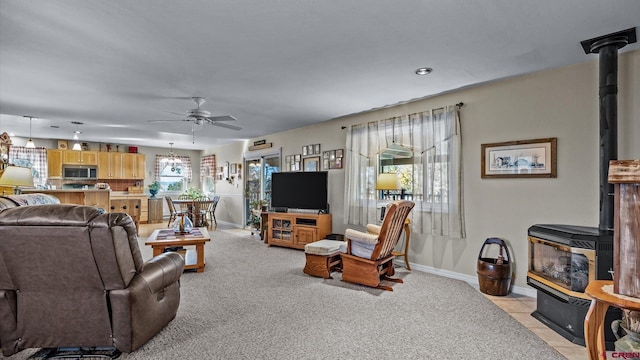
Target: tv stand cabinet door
[{"x": 306, "y": 235}]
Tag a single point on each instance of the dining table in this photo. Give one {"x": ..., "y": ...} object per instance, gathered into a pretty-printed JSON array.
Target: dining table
[{"x": 195, "y": 209}]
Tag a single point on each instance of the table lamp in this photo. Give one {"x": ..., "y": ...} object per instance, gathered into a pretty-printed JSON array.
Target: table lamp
[
  {"x": 388, "y": 181},
  {"x": 16, "y": 176}
]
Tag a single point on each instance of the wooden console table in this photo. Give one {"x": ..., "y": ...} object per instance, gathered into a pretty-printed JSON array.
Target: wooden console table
[
  {"x": 295, "y": 230},
  {"x": 594, "y": 321}
]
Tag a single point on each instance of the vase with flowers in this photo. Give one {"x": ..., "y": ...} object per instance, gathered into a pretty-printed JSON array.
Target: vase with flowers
[{"x": 154, "y": 187}]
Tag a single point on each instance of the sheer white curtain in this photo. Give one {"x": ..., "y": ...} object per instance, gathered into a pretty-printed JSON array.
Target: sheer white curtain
[{"x": 434, "y": 138}]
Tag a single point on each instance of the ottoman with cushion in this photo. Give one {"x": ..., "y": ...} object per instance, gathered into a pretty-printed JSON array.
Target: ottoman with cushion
[{"x": 323, "y": 257}]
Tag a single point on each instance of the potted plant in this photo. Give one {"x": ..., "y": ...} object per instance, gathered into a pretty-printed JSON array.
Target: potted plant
[
  {"x": 154, "y": 187},
  {"x": 256, "y": 207},
  {"x": 193, "y": 193}
]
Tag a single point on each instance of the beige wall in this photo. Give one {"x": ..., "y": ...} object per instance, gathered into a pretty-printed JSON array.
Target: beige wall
[{"x": 560, "y": 103}]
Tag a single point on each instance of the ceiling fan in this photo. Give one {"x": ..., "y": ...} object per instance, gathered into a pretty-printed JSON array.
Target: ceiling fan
[{"x": 199, "y": 116}]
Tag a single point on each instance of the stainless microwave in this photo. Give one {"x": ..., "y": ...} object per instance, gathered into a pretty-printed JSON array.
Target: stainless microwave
[{"x": 80, "y": 172}]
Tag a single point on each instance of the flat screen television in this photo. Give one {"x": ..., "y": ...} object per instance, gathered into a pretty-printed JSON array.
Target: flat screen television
[{"x": 299, "y": 190}]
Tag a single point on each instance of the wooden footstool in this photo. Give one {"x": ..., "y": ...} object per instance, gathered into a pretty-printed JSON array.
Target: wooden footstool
[{"x": 323, "y": 257}]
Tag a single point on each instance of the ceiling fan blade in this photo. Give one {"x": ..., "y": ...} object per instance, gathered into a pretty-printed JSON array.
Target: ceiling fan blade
[
  {"x": 222, "y": 118},
  {"x": 233, "y": 127},
  {"x": 167, "y": 120}
]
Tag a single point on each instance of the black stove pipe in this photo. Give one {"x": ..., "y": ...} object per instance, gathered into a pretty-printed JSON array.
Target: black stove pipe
[{"x": 607, "y": 47}]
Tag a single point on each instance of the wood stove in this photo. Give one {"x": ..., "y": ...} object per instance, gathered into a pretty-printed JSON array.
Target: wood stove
[
  {"x": 564, "y": 258},
  {"x": 562, "y": 261}
]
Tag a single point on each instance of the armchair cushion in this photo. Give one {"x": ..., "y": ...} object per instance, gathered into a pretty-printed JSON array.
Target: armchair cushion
[
  {"x": 361, "y": 237},
  {"x": 362, "y": 244},
  {"x": 373, "y": 229}
]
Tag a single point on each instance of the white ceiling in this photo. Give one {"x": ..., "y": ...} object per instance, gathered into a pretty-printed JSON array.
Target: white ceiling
[{"x": 274, "y": 65}]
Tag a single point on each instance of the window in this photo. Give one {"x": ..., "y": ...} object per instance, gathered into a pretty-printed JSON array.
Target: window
[
  {"x": 424, "y": 149},
  {"x": 36, "y": 159},
  {"x": 172, "y": 178},
  {"x": 173, "y": 175},
  {"x": 207, "y": 173}
]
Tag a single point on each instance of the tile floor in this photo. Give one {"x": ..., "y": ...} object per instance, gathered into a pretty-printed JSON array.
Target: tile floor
[{"x": 518, "y": 306}]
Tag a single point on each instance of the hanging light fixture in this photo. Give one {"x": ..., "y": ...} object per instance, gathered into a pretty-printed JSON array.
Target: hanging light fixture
[
  {"x": 171, "y": 159},
  {"x": 76, "y": 137},
  {"x": 30, "y": 144}
]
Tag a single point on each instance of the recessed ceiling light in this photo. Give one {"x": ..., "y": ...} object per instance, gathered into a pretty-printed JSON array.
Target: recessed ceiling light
[{"x": 423, "y": 71}]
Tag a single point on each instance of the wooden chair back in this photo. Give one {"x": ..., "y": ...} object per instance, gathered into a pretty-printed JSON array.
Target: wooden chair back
[
  {"x": 170, "y": 206},
  {"x": 200, "y": 208},
  {"x": 391, "y": 228}
]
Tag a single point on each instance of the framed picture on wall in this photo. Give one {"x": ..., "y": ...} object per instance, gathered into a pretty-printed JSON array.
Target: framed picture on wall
[
  {"x": 311, "y": 163},
  {"x": 519, "y": 159}
]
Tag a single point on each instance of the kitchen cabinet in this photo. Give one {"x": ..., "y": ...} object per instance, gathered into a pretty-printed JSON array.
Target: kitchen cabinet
[
  {"x": 121, "y": 166},
  {"x": 92, "y": 197},
  {"x": 110, "y": 165},
  {"x": 75, "y": 157},
  {"x": 134, "y": 202},
  {"x": 155, "y": 210},
  {"x": 134, "y": 166},
  {"x": 54, "y": 163}
]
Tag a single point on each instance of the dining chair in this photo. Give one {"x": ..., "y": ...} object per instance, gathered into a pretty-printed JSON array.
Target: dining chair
[
  {"x": 200, "y": 210},
  {"x": 211, "y": 212},
  {"x": 173, "y": 213}
]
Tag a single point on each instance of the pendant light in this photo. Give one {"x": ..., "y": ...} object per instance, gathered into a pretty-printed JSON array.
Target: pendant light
[
  {"x": 171, "y": 159},
  {"x": 30, "y": 144},
  {"x": 76, "y": 137}
]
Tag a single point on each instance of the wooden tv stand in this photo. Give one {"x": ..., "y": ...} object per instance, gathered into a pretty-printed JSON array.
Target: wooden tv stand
[{"x": 295, "y": 230}]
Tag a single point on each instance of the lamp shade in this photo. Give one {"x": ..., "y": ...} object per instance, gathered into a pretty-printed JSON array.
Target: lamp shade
[
  {"x": 388, "y": 181},
  {"x": 17, "y": 176}
]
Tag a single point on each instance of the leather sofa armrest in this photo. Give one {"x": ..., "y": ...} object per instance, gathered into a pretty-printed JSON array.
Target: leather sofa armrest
[{"x": 162, "y": 271}]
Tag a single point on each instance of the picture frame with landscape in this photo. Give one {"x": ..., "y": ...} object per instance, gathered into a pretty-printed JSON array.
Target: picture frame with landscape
[
  {"x": 311, "y": 163},
  {"x": 535, "y": 158}
]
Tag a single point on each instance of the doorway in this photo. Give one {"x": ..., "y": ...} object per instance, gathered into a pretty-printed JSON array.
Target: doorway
[{"x": 258, "y": 170}]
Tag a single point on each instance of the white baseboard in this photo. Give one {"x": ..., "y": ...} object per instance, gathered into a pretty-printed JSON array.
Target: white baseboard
[{"x": 471, "y": 280}]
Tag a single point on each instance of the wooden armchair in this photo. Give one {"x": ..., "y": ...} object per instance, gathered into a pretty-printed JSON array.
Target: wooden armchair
[{"x": 368, "y": 259}]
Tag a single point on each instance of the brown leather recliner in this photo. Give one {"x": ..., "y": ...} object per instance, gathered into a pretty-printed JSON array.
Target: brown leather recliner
[{"x": 73, "y": 276}]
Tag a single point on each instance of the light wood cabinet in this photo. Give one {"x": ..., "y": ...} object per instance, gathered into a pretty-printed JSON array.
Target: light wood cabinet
[
  {"x": 142, "y": 210},
  {"x": 134, "y": 166},
  {"x": 110, "y": 165},
  {"x": 54, "y": 163},
  {"x": 295, "y": 230},
  {"x": 74, "y": 157},
  {"x": 97, "y": 198},
  {"x": 121, "y": 166},
  {"x": 155, "y": 210}
]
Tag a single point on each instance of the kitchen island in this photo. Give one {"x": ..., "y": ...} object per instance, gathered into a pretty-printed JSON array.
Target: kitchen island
[{"x": 94, "y": 197}]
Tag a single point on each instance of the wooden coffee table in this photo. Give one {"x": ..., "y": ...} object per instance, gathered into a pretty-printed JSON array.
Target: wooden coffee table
[{"x": 161, "y": 239}]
